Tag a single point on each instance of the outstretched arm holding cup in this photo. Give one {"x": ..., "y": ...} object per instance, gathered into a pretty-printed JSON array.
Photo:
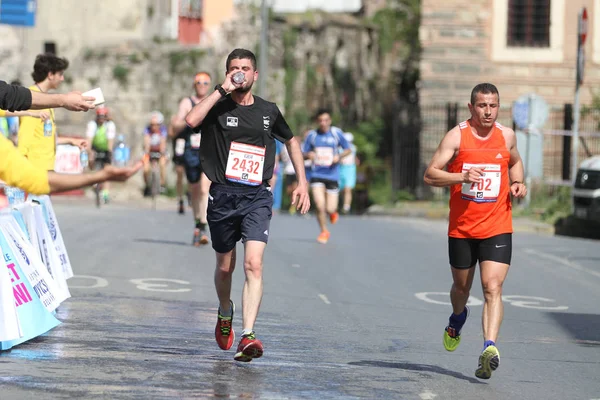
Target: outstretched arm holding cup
[
  {"x": 73, "y": 101},
  {"x": 15, "y": 98}
]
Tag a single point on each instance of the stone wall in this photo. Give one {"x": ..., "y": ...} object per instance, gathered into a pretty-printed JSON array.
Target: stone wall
[
  {"x": 313, "y": 62},
  {"x": 74, "y": 26},
  {"x": 327, "y": 61}
]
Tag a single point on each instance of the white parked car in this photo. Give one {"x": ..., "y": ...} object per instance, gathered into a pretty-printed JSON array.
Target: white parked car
[{"x": 586, "y": 193}]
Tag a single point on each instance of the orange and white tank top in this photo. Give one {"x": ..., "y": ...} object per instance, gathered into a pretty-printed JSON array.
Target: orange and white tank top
[{"x": 481, "y": 210}]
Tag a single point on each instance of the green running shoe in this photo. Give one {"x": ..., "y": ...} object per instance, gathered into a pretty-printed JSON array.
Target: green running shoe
[{"x": 489, "y": 361}]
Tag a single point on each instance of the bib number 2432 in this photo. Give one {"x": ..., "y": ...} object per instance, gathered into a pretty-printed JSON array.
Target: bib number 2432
[{"x": 245, "y": 164}]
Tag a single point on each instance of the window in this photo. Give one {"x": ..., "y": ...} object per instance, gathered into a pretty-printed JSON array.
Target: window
[
  {"x": 50, "y": 47},
  {"x": 190, "y": 8},
  {"x": 528, "y": 23},
  {"x": 552, "y": 52}
]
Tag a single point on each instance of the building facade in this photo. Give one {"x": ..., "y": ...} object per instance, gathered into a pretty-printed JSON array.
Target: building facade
[
  {"x": 68, "y": 27},
  {"x": 521, "y": 46}
]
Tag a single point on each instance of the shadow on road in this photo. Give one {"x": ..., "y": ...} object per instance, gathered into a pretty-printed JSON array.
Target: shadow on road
[
  {"x": 584, "y": 328},
  {"x": 160, "y": 241},
  {"x": 416, "y": 367},
  {"x": 574, "y": 227}
]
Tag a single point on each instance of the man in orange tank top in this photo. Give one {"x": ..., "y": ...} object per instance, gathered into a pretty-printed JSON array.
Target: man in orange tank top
[{"x": 479, "y": 161}]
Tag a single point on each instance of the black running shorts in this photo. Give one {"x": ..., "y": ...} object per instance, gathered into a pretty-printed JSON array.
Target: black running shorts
[
  {"x": 238, "y": 212},
  {"x": 464, "y": 253},
  {"x": 193, "y": 174},
  {"x": 330, "y": 186}
]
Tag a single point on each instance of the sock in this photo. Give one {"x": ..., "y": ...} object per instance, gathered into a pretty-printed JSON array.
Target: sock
[
  {"x": 488, "y": 343},
  {"x": 200, "y": 225},
  {"x": 457, "y": 321},
  {"x": 247, "y": 332},
  {"x": 229, "y": 312}
]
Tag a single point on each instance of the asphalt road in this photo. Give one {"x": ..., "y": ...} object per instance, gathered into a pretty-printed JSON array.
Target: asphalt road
[{"x": 360, "y": 317}]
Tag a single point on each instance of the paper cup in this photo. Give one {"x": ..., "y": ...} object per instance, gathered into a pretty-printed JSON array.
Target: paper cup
[{"x": 97, "y": 94}]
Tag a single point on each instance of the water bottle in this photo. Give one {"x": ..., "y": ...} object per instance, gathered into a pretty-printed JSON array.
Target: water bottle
[
  {"x": 84, "y": 159},
  {"x": 238, "y": 77},
  {"x": 19, "y": 196},
  {"x": 10, "y": 194},
  {"x": 127, "y": 154},
  {"x": 13, "y": 125},
  {"x": 14, "y": 195},
  {"x": 48, "y": 127},
  {"x": 121, "y": 152},
  {"x": 118, "y": 152}
]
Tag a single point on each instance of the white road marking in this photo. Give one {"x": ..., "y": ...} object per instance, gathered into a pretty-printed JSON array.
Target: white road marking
[
  {"x": 526, "y": 302},
  {"x": 149, "y": 285},
  {"x": 426, "y": 296},
  {"x": 296, "y": 265},
  {"x": 515, "y": 300},
  {"x": 427, "y": 395},
  {"x": 562, "y": 261},
  {"x": 324, "y": 298}
]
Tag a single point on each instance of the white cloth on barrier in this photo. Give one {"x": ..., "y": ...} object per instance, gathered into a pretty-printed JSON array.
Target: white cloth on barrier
[
  {"x": 41, "y": 240},
  {"x": 26, "y": 210},
  {"x": 33, "y": 267},
  {"x": 10, "y": 329},
  {"x": 33, "y": 281},
  {"x": 48, "y": 252},
  {"x": 57, "y": 238},
  {"x": 33, "y": 317}
]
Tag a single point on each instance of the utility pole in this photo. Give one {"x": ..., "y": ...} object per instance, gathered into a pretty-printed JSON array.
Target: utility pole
[
  {"x": 263, "y": 56},
  {"x": 582, "y": 22}
]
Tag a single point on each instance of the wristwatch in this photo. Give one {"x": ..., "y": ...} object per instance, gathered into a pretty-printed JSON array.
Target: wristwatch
[{"x": 221, "y": 90}]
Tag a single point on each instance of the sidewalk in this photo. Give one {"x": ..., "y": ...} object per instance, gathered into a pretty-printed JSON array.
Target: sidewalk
[{"x": 438, "y": 210}]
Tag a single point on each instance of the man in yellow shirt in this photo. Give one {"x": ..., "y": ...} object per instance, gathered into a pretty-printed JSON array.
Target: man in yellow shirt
[
  {"x": 17, "y": 171},
  {"x": 37, "y": 138}
]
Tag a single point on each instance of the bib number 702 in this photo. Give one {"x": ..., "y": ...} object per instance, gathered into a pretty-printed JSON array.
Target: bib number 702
[{"x": 484, "y": 184}]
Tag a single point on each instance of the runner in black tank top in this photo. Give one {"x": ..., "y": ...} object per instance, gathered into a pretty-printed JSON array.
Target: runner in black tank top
[{"x": 186, "y": 150}]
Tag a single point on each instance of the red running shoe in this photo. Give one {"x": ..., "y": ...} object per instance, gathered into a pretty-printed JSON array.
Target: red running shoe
[
  {"x": 250, "y": 347},
  {"x": 224, "y": 333},
  {"x": 333, "y": 217}
]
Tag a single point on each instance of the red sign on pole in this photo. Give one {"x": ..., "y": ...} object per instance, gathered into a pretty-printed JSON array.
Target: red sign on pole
[{"x": 583, "y": 26}]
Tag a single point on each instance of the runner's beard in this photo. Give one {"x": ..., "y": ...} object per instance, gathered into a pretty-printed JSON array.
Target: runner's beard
[{"x": 245, "y": 89}]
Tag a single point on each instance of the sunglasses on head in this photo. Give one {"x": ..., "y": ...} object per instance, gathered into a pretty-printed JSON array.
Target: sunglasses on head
[{"x": 205, "y": 83}]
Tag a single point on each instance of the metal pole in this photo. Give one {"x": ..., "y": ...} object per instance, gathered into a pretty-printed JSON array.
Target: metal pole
[
  {"x": 575, "y": 134},
  {"x": 264, "y": 45},
  {"x": 576, "y": 109},
  {"x": 528, "y": 132},
  {"x": 575, "y": 144}
]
